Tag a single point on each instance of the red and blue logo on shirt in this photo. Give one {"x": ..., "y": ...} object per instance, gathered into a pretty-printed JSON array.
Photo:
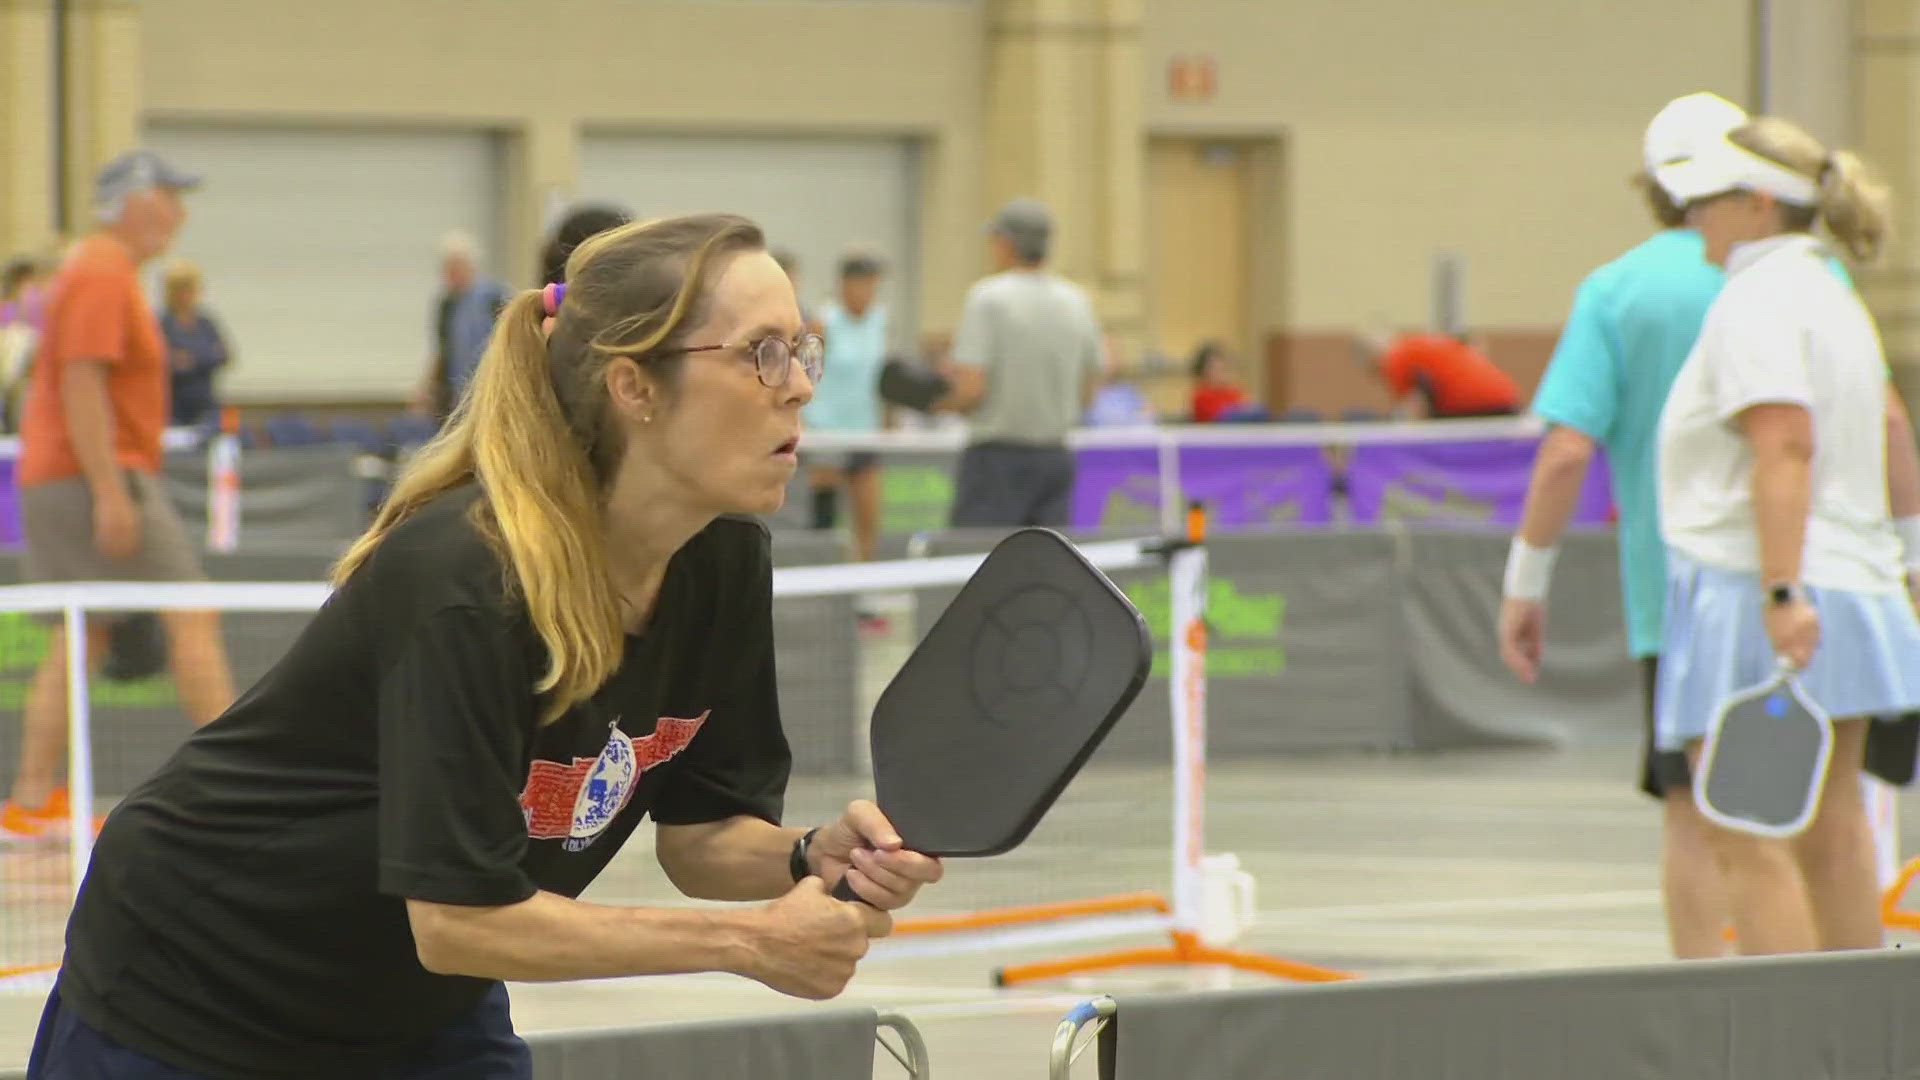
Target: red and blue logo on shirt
[{"x": 576, "y": 802}]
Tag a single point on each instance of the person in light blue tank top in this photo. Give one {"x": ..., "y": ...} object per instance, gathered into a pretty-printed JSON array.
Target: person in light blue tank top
[{"x": 847, "y": 402}]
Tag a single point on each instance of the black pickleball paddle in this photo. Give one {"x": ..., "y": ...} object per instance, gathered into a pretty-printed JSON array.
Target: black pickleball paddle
[{"x": 1013, "y": 689}]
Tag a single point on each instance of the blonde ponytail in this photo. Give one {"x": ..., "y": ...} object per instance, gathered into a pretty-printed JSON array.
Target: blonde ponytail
[
  {"x": 1857, "y": 208},
  {"x": 535, "y": 431}
]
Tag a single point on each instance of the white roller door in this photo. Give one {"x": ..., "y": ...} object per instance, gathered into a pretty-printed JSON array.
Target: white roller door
[
  {"x": 320, "y": 248},
  {"x": 814, "y": 196}
]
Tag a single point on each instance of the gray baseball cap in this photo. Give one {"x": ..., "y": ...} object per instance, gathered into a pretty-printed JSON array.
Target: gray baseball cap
[
  {"x": 137, "y": 171},
  {"x": 1026, "y": 223}
]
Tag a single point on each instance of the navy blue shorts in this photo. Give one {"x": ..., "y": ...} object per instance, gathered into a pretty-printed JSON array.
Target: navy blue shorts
[{"x": 480, "y": 1046}]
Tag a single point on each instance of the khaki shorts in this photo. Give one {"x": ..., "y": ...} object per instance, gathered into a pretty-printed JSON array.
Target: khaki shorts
[{"x": 57, "y": 518}]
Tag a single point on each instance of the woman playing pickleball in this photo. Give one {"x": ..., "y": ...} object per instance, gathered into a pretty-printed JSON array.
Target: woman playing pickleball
[
  {"x": 1774, "y": 505},
  {"x": 553, "y": 629}
]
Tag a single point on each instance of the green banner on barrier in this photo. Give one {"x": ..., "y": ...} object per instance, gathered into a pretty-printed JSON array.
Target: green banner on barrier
[
  {"x": 23, "y": 647},
  {"x": 1245, "y": 627}
]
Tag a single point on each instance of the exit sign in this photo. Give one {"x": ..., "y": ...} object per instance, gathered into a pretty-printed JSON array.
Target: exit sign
[{"x": 1192, "y": 78}]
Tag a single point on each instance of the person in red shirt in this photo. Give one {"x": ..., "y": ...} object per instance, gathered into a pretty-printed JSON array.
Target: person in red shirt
[
  {"x": 1215, "y": 395},
  {"x": 92, "y": 503},
  {"x": 1452, "y": 377}
]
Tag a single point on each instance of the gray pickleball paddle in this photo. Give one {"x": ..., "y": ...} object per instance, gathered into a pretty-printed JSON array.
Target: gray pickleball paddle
[{"x": 1765, "y": 759}]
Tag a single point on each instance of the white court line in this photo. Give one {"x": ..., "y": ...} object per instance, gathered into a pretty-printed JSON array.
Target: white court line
[{"x": 1416, "y": 908}]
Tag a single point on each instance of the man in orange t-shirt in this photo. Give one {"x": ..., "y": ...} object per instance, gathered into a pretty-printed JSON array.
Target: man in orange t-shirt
[
  {"x": 91, "y": 501},
  {"x": 1454, "y": 378}
]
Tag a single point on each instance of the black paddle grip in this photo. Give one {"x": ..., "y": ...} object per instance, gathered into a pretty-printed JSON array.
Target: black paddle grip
[{"x": 844, "y": 891}]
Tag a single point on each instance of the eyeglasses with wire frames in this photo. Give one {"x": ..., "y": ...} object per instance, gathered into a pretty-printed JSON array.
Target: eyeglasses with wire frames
[{"x": 773, "y": 356}]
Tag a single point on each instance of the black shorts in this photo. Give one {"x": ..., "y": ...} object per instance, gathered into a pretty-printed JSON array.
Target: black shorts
[{"x": 1659, "y": 769}]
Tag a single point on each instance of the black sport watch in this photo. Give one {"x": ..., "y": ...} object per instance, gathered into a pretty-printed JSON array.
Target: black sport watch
[
  {"x": 797, "y": 861},
  {"x": 1781, "y": 595}
]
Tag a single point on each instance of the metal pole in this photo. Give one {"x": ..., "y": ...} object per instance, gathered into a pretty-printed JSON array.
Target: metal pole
[
  {"x": 1187, "y": 683},
  {"x": 62, "y": 214},
  {"x": 79, "y": 747}
]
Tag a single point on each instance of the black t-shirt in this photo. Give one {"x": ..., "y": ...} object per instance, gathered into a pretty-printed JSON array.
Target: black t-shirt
[{"x": 245, "y": 912}]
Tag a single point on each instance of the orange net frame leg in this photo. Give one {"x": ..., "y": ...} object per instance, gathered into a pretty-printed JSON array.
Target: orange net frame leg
[
  {"x": 1186, "y": 949},
  {"x": 1892, "y": 915}
]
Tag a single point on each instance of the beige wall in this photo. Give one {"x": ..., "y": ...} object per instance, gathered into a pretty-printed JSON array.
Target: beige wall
[
  {"x": 1502, "y": 128},
  {"x": 26, "y": 127},
  {"x": 542, "y": 72}
]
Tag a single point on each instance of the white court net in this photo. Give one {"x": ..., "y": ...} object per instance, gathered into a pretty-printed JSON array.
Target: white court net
[{"x": 841, "y": 633}]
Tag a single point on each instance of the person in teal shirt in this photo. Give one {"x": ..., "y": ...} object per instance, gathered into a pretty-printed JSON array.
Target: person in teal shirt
[
  {"x": 1633, "y": 323},
  {"x": 847, "y": 401}
]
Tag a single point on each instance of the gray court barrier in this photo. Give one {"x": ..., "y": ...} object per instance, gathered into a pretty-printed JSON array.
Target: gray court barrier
[
  {"x": 834, "y": 1044},
  {"x": 1832, "y": 1016}
]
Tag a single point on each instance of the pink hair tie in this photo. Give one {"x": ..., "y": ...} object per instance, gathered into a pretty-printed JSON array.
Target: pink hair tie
[{"x": 550, "y": 298}]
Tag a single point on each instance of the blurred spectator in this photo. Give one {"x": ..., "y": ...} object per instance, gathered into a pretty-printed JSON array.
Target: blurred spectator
[
  {"x": 1117, "y": 402},
  {"x": 1451, "y": 377},
  {"x": 580, "y": 223},
  {"x": 1216, "y": 395},
  {"x": 1025, "y": 362},
  {"x": 847, "y": 400},
  {"x": 92, "y": 503},
  {"x": 463, "y": 320},
  {"x": 195, "y": 347},
  {"x": 21, "y": 304}
]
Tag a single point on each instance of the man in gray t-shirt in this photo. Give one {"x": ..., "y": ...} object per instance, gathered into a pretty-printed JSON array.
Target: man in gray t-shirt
[{"x": 1026, "y": 360}]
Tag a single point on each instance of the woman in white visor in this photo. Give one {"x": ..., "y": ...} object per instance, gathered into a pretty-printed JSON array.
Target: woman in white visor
[{"x": 1782, "y": 546}]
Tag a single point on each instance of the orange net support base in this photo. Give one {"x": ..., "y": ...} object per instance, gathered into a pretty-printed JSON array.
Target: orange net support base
[{"x": 1185, "y": 950}]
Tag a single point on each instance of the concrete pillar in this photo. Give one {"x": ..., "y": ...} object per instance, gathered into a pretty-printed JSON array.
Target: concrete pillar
[
  {"x": 1064, "y": 125},
  {"x": 1886, "y": 99},
  {"x": 543, "y": 172},
  {"x": 103, "y": 79},
  {"x": 1805, "y": 67},
  {"x": 26, "y": 125}
]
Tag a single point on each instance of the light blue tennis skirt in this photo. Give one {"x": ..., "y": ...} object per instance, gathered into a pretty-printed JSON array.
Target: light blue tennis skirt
[{"x": 1867, "y": 663}]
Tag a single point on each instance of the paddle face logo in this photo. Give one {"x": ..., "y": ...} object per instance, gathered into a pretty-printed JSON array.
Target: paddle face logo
[
  {"x": 574, "y": 803},
  {"x": 1244, "y": 638}
]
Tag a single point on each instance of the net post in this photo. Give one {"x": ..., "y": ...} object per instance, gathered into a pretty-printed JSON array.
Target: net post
[
  {"x": 1187, "y": 684},
  {"x": 1168, "y": 467},
  {"x": 79, "y": 747},
  {"x": 223, "y": 484}
]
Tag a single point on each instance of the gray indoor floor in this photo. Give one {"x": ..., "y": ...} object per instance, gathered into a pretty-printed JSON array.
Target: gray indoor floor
[{"x": 1381, "y": 866}]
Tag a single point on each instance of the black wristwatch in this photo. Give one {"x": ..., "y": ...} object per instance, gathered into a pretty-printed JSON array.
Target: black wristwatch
[
  {"x": 1781, "y": 595},
  {"x": 797, "y": 862}
]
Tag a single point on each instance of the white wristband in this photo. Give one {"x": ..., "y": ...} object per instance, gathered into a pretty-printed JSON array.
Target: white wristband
[
  {"x": 1908, "y": 529},
  {"x": 1528, "y": 570}
]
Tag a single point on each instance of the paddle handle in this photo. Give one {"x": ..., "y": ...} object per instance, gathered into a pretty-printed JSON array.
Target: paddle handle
[{"x": 843, "y": 891}]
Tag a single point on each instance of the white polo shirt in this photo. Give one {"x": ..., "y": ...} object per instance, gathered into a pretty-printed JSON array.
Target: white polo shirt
[{"x": 1785, "y": 329}]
